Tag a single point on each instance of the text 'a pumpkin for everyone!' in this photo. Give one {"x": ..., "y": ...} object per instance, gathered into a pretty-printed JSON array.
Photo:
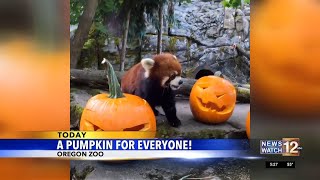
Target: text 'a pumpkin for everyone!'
[{"x": 124, "y": 145}]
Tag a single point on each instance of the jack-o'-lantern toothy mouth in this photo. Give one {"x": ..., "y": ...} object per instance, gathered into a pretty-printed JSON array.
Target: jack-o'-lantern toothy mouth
[
  {"x": 210, "y": 106},
  {"x": 140, "y": 127}
]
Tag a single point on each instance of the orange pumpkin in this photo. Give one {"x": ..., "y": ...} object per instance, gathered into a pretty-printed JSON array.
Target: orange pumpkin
[
  {"x": 212, "y": 99},
  {"x": 285, "y": 57},
  {"x": 248, "y": 125},
  {"x": 118, "y": 111}
]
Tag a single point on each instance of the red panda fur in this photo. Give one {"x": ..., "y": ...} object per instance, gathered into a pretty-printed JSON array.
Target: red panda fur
[{"x": 165, "y": 67}]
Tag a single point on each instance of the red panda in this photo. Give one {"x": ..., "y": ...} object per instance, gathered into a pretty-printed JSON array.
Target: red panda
[{"x": 155, "y": 80}]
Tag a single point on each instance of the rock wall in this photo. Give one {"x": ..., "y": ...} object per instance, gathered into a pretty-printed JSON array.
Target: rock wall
[{"x": 201, "y": 38}]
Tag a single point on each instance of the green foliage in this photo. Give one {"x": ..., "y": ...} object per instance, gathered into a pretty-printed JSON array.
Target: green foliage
[
  {"x": 88, "y": 44},
  {"x": 172, "y": 44},
  {"x": 75, "y": 112},
  {"x": 234, "y": 3},
  {"x": 137, "y": 21},
  {"x": 108, "y": 6},
  {"x": 100, "y": 28},
  {"x": 98, "y": 33},
  {"x": 104, "y": 7},
  {"x": 138, "y": 7},
  {"x": 76, "y": 9},
  {"x": 137, "y": 25},
  {"x": 166, "y": 131},
  {"x": 117, "y": 41},
  {"x": 119, "y": 7},
  {"x": 231, "y": 3},
  {"x": 92, "y": 49}
]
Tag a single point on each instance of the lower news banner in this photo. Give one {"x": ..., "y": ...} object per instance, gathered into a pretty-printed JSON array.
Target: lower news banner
[{"x": 109, "y": 149}]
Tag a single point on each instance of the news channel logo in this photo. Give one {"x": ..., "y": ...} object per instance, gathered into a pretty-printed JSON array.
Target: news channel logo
[{"x": 286, "y": 147}]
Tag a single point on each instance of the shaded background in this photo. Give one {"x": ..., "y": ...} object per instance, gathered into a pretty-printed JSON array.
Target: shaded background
[
  {"x": 285, "y": 81},
  {"x": 34, "y": 78}
]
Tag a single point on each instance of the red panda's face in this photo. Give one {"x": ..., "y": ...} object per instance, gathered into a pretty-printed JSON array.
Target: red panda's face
[
  {"x": 174, "y": 81},
  {"x": 165, "y": 68}
]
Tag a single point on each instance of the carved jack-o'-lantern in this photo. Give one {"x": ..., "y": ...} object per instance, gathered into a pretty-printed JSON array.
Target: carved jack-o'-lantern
[
  {"x": 248, "y": 125},
  {"x": 118, "y": 112},
  {"x": 212, "y": 99}
]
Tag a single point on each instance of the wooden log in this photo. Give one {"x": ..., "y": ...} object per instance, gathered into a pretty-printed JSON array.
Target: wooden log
[
  {"x": 98, "y": 79},
  {"x": 92, "y": 78},
  {"x": 243, "y": 94}
]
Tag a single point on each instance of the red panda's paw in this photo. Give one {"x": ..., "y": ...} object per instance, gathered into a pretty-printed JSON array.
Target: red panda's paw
[{"x": 175, "y": 123}]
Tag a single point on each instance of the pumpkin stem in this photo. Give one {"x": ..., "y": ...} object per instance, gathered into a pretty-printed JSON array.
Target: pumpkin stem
[{"x": 114, "y": 86}]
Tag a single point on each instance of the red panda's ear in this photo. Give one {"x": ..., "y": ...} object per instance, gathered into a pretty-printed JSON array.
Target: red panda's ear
[
  {"x": 147, "y": 63},
  {"x": 175, "y": 57}
]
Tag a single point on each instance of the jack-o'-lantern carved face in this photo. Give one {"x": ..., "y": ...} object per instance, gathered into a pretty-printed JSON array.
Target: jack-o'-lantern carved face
[
  {"x": 212, "y": 99},
  {"x": 118, "y": 112}
]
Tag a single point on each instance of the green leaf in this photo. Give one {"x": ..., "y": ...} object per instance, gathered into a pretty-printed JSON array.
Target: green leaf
[
  {"x": 232, "y": 3},
  {"x": 101, "y": 28}
]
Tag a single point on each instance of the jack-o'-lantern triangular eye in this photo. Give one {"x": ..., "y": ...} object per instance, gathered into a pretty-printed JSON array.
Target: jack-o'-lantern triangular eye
[
  {"x": 219, "y": 95},
  {"x": 203, "y": 85}
]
